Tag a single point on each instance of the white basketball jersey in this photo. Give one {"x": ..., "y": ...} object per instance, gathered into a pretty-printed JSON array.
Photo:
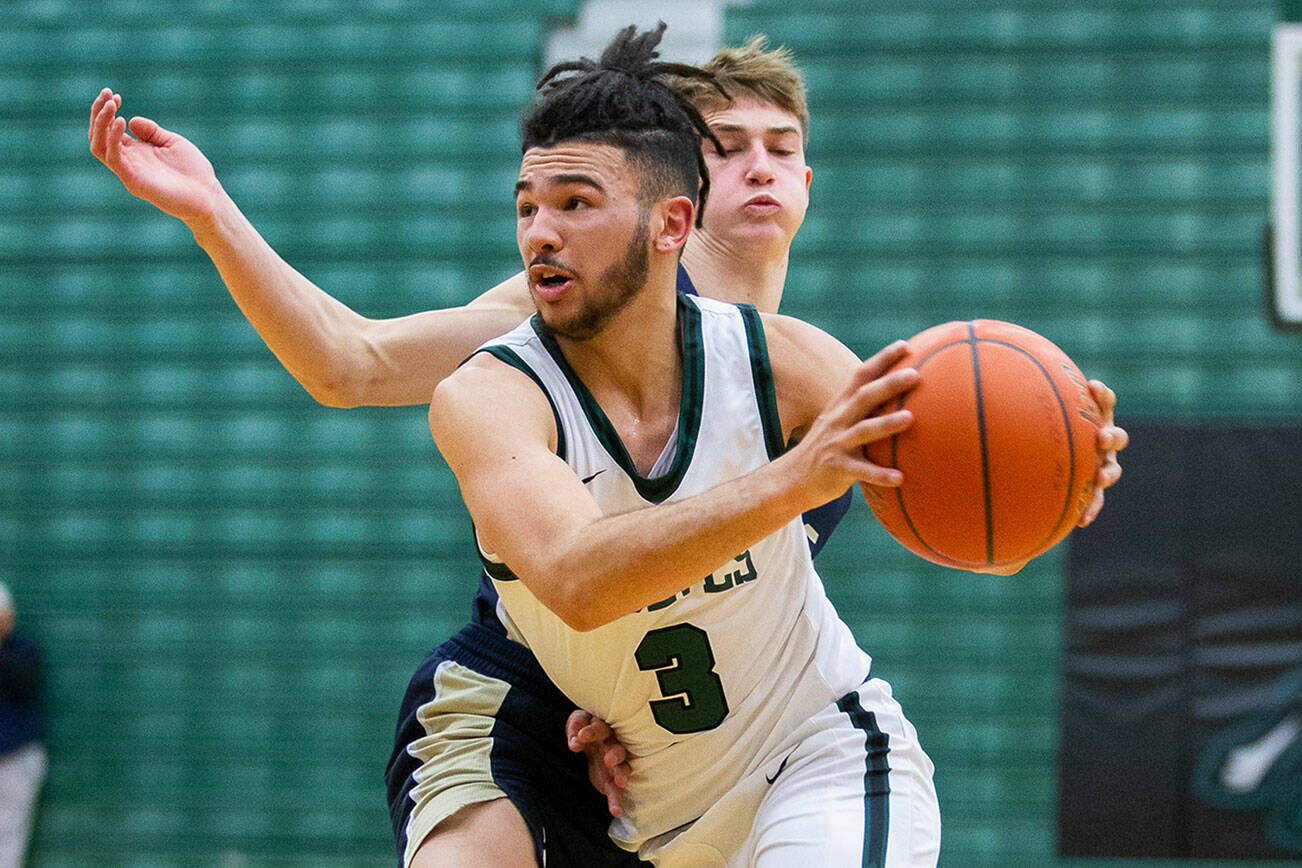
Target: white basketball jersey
[{"x": 700, "y": 685}]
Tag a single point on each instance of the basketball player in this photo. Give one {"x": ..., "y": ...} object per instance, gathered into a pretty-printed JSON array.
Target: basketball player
[
  {"x": 759, "y": 195},
  {"x": 627, "y": 441}
]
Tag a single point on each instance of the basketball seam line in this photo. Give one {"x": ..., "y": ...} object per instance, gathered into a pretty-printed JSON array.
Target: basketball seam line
[{"x": 986, "y": 495}]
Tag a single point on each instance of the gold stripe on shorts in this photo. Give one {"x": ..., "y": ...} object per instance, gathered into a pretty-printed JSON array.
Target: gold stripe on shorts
[{"x": 455, "y": 752}]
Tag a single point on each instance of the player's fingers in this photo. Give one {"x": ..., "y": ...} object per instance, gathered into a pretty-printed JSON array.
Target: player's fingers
[
  {"x": 867, "y": 397},
  {"x": 881, "y": 361},
  {"x": 1113, "y": 438},
  {"x": 104, "y": 96},
  {"x": 1092, "y": 511},
  {"x": 149, "y": 131},
  {"x": 99, "y": 128},
  {"x": 1105, "y": 398},
  {"x": 614, "y": 755},
  {"x": 874, "y": 428},
  {"x": 113, "y": 150},
  {"x": 596, "y": 731},
  {"x": 612, "y": 800},
  {"x": 878, "y": 476},
  {"x": 574, "y": 724},
  {"x": 1109, "y": 473}
]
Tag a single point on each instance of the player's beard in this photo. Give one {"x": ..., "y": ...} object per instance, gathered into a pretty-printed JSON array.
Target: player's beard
[{"x": 615, "y": 288}]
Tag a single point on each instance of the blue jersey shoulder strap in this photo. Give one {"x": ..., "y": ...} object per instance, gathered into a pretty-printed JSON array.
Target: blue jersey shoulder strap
[{"x": 685, "y": 285}]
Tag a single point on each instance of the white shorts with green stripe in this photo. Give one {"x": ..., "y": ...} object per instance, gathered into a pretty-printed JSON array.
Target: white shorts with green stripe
[{"x": 851, "y": 787}]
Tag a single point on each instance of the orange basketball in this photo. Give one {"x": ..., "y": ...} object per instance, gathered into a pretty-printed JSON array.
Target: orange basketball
[{"x": 999, "y": 462}]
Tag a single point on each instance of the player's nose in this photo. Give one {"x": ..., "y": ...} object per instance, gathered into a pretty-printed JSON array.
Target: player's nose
[{"x": 542, "y": 231}]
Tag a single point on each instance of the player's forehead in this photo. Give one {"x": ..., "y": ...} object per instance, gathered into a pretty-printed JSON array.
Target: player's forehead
[
  {"x": 752, "y": 116},
  {"x": 574, "y": 164}
]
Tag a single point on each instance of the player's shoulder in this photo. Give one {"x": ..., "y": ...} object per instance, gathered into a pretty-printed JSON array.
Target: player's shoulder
[
  {"x": 809, "y": 367},
  {"x": 795, "y": 343},
  {"x": 496, "y": 375}
]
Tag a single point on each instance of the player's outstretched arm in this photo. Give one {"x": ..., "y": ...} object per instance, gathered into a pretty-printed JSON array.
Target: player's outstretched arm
[
  {"x": 342, "y": 358},
  {"x": 497, "y": 433}
]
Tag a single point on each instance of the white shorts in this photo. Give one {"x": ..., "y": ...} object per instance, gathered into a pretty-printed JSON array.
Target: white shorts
[{"x": 851, "y": 787}]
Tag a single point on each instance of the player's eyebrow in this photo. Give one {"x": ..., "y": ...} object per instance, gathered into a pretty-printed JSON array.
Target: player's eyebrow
[
  {"x": 738, "y": 128},
  {"x": 579, "y": 178}
]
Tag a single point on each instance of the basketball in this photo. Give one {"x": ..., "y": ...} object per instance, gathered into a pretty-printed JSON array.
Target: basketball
[{"x": 999, "y": 462}]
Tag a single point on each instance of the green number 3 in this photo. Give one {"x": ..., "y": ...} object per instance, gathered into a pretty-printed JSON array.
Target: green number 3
[{"x": 683, "y": 662}]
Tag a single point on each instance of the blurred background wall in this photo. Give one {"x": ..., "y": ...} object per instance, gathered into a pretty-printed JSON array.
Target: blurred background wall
[{"x": 233, "y": 583}]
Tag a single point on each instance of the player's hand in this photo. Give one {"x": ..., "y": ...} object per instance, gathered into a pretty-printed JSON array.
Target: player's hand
[
  {"x": 608, "y": 768},
  {"x": 156, "y": 165},
  {"x": 1111, "y": 440},
  {"x": 831, "y": 453}
]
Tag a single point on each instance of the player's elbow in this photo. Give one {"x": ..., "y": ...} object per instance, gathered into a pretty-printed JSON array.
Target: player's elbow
[
  {"x": 348, "y": 380},
  {"x": 354, "y": 369},
  {"x": 582, "y": 620},
  {"x": 576, "y": 611},
  {"x": 572, "y": 601},
  {"x": 334, "y": 392}
]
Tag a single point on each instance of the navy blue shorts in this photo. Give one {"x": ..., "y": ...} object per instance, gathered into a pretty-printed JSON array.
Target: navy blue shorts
[{"x": 484, "y": 691}]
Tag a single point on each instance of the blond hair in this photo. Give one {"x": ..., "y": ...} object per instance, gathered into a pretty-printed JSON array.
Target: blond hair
[{"x": 751, "y": 70}]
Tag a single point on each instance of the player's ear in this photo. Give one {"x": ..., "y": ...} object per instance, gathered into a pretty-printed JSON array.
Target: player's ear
[{"x": 674, "y": 224}]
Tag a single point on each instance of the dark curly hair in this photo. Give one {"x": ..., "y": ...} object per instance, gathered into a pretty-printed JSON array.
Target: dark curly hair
[{"x": 625, "y": 100}]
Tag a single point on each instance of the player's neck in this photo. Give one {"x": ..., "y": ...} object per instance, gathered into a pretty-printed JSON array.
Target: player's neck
[
  {"x": 634, "y": 370},
  {"x": 729, "y": 273}
]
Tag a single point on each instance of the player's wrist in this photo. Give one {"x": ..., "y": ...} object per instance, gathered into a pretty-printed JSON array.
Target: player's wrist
[{"x": 215, "y": 218}]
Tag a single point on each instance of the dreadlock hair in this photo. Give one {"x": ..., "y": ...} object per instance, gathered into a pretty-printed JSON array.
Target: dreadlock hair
[{"x": 624, "y": 100}]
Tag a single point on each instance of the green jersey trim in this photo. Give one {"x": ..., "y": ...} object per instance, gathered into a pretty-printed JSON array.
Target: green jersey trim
[
  {"x": 512, "y": 358},
  {"x": 761, "y": 372},
  {"x": 690, "y": 405},
  {"x": 497, "y": 572}
]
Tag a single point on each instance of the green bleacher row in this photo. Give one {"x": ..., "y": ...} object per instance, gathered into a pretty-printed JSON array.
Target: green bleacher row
[
  {"x": 393, "y": 91},
  {"x": 365, "y": 189},
  {"x": 185, "y": 98},
  {"x": 1251, "y": 380},
  {"x": 815, "y": 30},
  {"x": 972, "y": 76},
  {"x": 113, "y": 372},
  {"x": 145, "y": 307},
  {"x": 458, "y": 40},
  {"x": 265, "y": 138},
  {"x": 306, "y": 12},
  {"x": 867, "y": 229},
  {"x": 142, "y": 647},
  {"x": 246, "y": 481}
]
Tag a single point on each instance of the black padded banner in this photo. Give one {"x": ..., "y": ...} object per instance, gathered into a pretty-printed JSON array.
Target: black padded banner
[{"x": 1181, "y": 725}]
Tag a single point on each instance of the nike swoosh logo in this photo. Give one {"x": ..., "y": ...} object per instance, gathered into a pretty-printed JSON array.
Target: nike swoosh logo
[
  {"x": 588, "y": 479},
  {"x": 781, "y": 768}
]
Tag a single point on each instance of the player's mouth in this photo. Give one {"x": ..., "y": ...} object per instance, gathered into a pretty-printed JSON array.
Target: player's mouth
[
  {"x": 762, "y": 204},
  {"x": 549, "y": 282}
]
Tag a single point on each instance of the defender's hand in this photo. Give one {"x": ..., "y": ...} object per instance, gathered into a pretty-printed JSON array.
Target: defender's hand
[
  {"x": 608, "y": 768},
  {"x": 156, "y": 165},
  {"x": 1112, "y": 439}
]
